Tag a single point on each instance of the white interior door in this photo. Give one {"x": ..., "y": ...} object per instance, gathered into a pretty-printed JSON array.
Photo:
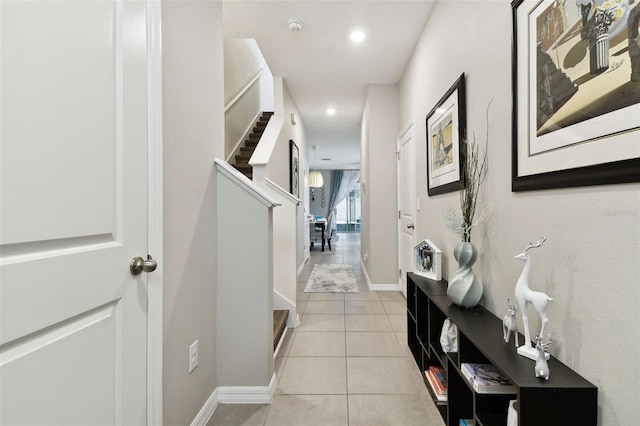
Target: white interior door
[
  {"x": 73, "y": 212},
  {"x": 406, "y": 204}
]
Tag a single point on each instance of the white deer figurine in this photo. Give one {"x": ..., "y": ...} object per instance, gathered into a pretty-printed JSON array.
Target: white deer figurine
[
  {"x": 510, "y": 323},
  {"x": 542, "y": 368},
  {"x": 525, "y": 295}
]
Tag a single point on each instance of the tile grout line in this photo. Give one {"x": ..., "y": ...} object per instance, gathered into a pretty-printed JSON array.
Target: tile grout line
[{"x": 346, "y": 364}]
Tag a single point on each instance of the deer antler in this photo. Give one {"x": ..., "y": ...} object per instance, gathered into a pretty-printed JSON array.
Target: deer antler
[{"x": 536, "y": 245}]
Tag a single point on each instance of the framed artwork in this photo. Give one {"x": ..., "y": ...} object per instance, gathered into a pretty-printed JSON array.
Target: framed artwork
[
  {"x": 446, "y": 128},
  {"x": 428, "y": 260},
  {"x": 576, "y": 87},
  {"x": 294, "y": 169}
]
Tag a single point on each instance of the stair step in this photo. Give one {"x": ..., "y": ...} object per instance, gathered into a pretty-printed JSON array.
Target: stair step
[
  {"x": 279, "y": 324},
  {"x": 243, "y": 167},
  {"x": 242, "y": 159}
]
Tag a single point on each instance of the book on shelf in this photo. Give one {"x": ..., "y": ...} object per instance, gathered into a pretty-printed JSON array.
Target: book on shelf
[
  {"x": 440, "y": 396},
  {"x": 467, "y": 422},
  {"x": 485, "y": 378},
  {"x": 439, "y": 377}
]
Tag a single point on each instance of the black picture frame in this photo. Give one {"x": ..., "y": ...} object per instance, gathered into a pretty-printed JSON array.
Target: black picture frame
[
  {"x": 589, "y": 150},
  {"x": 294, "y": 169},
  {"x": 446, "y": 125}
]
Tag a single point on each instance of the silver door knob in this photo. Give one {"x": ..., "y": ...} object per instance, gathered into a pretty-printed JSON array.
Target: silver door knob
[
  {"x": 139, "y": 265},
  {"x": 411, "y": 226}
]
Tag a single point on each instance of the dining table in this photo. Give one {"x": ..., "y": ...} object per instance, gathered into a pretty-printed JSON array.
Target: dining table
[{"x": 319, "y": 223}]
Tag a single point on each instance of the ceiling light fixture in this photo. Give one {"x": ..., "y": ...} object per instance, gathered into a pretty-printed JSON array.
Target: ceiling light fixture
[
  {"x": 357, "y": 36},
  {"x": 315, "y": 177},
  {"x": 295, "y": 25},
  {"x": 331, "y": 111}
]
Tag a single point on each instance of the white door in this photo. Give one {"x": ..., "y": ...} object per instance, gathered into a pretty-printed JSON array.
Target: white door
[
  {"x": 73, "y": 212},
  {"x": 406, "y": 204}
]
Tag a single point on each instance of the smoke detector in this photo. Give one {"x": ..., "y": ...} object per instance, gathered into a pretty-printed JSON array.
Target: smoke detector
[{"x": 295, "y": 25}]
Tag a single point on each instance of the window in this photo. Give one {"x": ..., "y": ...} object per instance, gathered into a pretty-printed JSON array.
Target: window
[{"x": 348, "y": 218}]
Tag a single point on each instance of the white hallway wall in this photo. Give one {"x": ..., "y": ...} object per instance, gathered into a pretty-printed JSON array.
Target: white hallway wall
[
  {"x": 378, "y": 174},
  {"x": 193, "y": 136},
  {"x": 589, "y": 264}
]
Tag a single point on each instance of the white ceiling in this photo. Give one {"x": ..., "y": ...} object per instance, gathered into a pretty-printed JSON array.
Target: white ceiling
[{"x": 321, "y": 66}]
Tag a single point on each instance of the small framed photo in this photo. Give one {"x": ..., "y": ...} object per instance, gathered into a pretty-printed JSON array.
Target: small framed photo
[
  {"x": 446, "y": 130},
  {"x": 428, "y": 260},
  {"x": 294, "y": 169}
]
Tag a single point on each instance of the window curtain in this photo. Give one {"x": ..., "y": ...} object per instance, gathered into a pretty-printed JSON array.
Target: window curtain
[{"x": 343, "y": 181}]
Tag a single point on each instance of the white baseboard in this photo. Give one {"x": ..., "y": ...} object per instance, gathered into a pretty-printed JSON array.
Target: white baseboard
[
  {"x": 206, "y": 412},
  {"x": 284, "y": 333},
  {"x": 384, "y": 287},
  {"x": 378, "y": 287},
  {"x": 301, "y": 267},
  {"x": 247, "y": 394},
  {"x": 235, "y": 395},
  {"x": 366, "y": 275}
]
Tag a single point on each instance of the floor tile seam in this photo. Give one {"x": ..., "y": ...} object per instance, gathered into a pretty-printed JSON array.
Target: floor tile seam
[
  {"x": 310, "y": 394},
  {"x": 316, "y": 356},
  {"x": 346, "y": 367},
  {"x": 376, "y": 356},
  {"x": 383, "y": 393}
]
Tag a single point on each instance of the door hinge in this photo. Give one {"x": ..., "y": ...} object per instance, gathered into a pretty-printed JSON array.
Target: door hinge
[
  {"x": 399, "y": 215},
  {"x": 400, "y": 273},
  {"x": 398, "y": 155}
]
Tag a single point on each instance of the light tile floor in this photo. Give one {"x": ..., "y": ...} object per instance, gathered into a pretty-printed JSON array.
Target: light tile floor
[{"x": 347, "y": 364}]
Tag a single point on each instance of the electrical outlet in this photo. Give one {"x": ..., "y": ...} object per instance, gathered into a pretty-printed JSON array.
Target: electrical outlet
[
  {"x": 366, "y": 256},
  {"x": 193, "y": 356}
]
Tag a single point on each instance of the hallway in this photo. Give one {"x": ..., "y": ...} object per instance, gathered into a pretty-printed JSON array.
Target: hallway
[{"x": 347, "y": 363}]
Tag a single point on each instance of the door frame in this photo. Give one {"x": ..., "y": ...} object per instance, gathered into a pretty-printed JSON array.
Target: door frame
[
  {"x": 409, "y": 127},
  {"x": 155, "y": 214}
]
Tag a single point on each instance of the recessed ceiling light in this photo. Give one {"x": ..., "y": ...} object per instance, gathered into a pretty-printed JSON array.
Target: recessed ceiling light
[
  {"x": 357, "y": 36},
  {"x": 331, "y": 111}
]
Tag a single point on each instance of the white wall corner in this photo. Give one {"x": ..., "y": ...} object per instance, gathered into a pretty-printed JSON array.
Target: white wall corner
[
  {"x": 301, "y": 267},
  {"x": 366, "y": 275},
  {"x": 378, "y": 287},
  {"x": 247, "y": 394},
  {"x": 207, "y": 410}
]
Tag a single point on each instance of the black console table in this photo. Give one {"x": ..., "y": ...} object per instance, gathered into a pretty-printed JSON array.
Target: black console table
[{"x": 565, "y": 399}]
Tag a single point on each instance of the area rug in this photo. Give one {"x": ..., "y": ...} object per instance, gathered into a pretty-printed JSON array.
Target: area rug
[{"x": 332, "y": 278}]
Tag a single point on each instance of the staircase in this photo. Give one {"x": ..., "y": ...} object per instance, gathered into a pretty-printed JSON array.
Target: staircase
[
  {"x": 279, "y": 324},
  {"x": 250, "y": 144}
]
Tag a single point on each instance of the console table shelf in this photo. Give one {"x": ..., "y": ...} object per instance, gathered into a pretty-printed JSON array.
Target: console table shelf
[{"x": 566, "y": 398}]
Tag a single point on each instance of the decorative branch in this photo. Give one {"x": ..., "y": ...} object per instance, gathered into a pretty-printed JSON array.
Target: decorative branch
[{"x": 474, "y": 171}]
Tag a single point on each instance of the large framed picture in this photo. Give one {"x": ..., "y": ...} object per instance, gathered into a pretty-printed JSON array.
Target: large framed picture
[
  {"x": 446, "y": 129},
  {"x": 294, "y": 169},
  {"x": 576, "y": 86},
  {"x": 428, "y": 260}
]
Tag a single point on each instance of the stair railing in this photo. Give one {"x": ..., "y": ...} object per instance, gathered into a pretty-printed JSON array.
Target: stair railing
[
  {"x": 284, "y": 250},
  {"x": 243, "y": 90},
  {"x": 244, "y": 299},
  {"x": 234, "y": 140}
]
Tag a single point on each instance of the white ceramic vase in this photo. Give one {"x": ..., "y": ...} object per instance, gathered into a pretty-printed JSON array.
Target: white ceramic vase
[{"x": 465, "y": 289}]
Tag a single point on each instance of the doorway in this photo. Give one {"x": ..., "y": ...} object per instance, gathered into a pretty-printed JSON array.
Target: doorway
[{"x": 348, "y": 211}]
